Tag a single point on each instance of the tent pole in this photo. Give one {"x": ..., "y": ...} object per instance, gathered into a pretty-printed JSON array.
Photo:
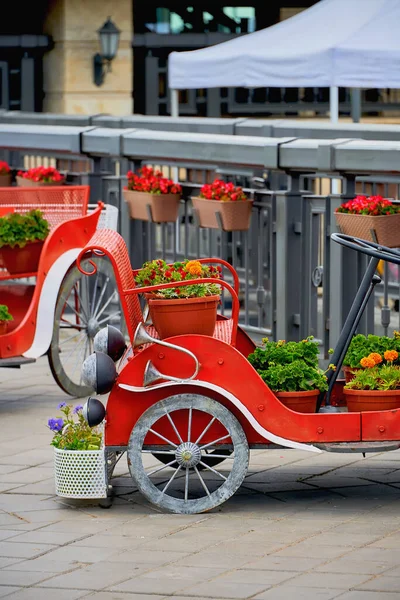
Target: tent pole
[
  {"x": 334, "y": 104},
  {"x": 356, "y": 105},
  {"x": 174, "y": 103}
]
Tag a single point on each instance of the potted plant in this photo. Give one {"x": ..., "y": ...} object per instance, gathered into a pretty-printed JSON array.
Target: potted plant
[
  {"x": 290, "y": 369},
  {"x": 79, "y": 457},
  {"x": 21, "y": 241},
  {"x": 361, "y": 216},
  {"x": 151, "y": 191},
  {"x": 186, "y": 309},
  {"x": 376, "y": 386},
  {"x": 40, "y": 176},
  {"x": 226, "y": 199},
  {"x": 5, "y": 174},
  {"x": 5, "y": 317},
  {"x": 362, "y": 346}
]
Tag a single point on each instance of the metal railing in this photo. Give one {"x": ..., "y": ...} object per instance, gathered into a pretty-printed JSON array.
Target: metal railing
[{"x": 294, "y": 281}]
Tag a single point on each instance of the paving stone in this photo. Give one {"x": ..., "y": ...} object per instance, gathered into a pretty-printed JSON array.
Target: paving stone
[
  {"x": 121, "y": 596},
  {"x": 344, "y": 565},
  {"x": 284, "y": 563},
  {"x": 364, "y": 595},
  {"x": 226, "y": 589},
  {"x": 142, "y": 585},
  {"x": 288, "y": 592},
  {"x": 21, "y": 550},
  {"x": 342, "y": 581},
  {"x": 39, "y": 593},
  {"x": 22, "y": 578},
  {"x": 6, "y": 590},
  {"x": 381, "y": 584},
  {"x": 96, "y": 577},
  {"x": 252, "y": 576},
  {"x": 147, "y": 557}
]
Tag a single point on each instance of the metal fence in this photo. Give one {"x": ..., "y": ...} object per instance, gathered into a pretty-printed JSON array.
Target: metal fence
[{"x": 294, "y": 281}]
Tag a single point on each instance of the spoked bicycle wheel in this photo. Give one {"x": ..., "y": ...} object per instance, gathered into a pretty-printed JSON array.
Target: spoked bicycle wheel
[
  {"x": 187, "y": 425},
  {"x": 84, "y": 306}
]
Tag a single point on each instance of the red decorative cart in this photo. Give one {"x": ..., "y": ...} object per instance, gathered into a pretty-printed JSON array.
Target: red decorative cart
[
  {"x": 196, "y": 403},
  {"x": 54, "y": 308}
]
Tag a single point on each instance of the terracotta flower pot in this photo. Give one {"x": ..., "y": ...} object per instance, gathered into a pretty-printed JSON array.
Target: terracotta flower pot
[
  {"x": 5, "y": 180},
  {"x": 21, "y": 260},
  {"x": 349, "y": 373},
  {"x": 164, "y": 207},
  {"x": 183, "y": 315},
  {"x": 386, "y": 227},
  {"x": 3, "y": 327},
  {"x": 302, "y": 402},
  {"x": 235, "y": 216},
  {"x": 23, "y": 182},
  {"x": 370, "y": 400}
]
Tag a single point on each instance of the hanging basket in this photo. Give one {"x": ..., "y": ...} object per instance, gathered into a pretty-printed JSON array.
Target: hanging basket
[
  {"x": 164, "y": 207},
  {"x": 5, "y": 180},
  {"x": 23, "y": 182},
  {"x": 21, "y": 260},
  {"x": 372, "y": 400},
  {"x": 386, "y": 228},
  {"x": 235, "y": 216},
  {"x": 80, "y": 473},
  {"x": 302, "y": 402},
  {"x": 183, "y": 315}
]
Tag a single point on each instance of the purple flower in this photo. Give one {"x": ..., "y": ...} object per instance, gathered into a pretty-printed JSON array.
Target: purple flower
[
  {"x": 77, "y": 409},
  {"x": 55, "y": 424},
  {"x": 61, "y": 405}
]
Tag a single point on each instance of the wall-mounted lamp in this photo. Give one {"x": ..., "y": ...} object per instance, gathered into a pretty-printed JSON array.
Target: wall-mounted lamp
[{"x": 109, "y": 40}]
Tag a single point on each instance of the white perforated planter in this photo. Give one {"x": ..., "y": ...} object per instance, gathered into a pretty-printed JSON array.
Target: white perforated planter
[{"x": 81, "y": 473}]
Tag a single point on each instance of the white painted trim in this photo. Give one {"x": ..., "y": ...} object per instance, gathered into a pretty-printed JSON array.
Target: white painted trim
[
  {"x": 47, "y": 303},
  {"x": 275, "y": 439}
]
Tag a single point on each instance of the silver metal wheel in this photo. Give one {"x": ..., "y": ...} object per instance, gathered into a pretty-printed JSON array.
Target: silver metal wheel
[
  {"x": 84, "y": 306},
  {"x": 187, "y": 425}
]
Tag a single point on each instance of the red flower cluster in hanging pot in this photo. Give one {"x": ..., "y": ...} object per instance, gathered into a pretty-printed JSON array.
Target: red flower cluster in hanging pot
[
  {"x": 372, "y": 205},
  {"x": 4, "y": 168},
  {"x": 223, "y": 191},
  {"x": 152, "y": 181},
  {"x": 42, "y": 175}
]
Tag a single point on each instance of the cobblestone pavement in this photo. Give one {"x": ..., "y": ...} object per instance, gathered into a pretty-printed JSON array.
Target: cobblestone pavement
[{"x": 302, "y": 526}]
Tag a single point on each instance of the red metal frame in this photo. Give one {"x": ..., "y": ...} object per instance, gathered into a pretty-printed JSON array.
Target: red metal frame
[{"x": 23, "y": 300}]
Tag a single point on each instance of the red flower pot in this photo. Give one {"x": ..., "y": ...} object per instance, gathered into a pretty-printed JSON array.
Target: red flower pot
[
  {"x": 183, "y": 315},
  {"x": 235, "y": 216},
  {"x": 3, "y": 327},
  {"x": 302, "y": 402},
  {"x": 349, "y": 373},
  {"x": 21, "y": 260},
  {"x": 372, "y": 400},
  {"x": 5, "y": 180},
  {"x": 164, "y": 207}
]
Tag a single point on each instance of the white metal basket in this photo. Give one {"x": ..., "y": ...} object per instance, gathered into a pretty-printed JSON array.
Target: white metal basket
[
  {"x": 108, "y": 216},
  {"x": 81, "y": 473}
]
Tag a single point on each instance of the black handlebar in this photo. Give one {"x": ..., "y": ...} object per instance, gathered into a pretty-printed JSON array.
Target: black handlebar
[{"x": 367, "y": 247}]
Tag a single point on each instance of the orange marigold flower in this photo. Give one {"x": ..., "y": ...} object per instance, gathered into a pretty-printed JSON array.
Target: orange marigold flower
[
  {"x": 391, "y": 355},
  {"x": 194, "y": 267},
  {"x": 367, "y": 362},
  {"x": 376, "y": 357}
]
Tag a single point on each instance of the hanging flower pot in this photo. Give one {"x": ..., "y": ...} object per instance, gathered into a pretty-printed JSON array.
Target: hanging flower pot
[
  {"x": 5, "y": 174},
  {"x": 184, "y": 315},
  {"x": 362, "y": 216},
  {"x": 164, "y": 208},
  {"x": 302, "y": 402},
  {"x": 150, "y": 190},
  {"x": 226, "y": 199},
  {"x": 39, "y": 177}
]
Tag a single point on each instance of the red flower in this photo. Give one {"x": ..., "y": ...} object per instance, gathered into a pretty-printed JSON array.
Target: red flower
[
  {"x": 223, "y": 191},
  {"x": 152, "y": 181}
]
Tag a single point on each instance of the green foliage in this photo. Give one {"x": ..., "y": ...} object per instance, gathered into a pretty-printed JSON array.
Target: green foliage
[
  {"x": 386, "y": 377},
  {"x": 158, "y": 271},
  {"x": 289, "y": 366},
  {"x": 72, "y": 432},
  {"x": 19, "y": 229},
  {"x": 362, "y": 346},
  {"x": 4, "y": 314},
  {"x": 294, "y": 377},
  {"x": 284, "y": 353}
]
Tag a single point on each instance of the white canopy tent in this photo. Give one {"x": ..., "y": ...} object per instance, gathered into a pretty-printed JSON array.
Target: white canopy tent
[{"x": 346, "y": 43}]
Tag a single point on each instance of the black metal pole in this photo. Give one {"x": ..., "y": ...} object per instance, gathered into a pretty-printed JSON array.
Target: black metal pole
[{"x": 360, "y": 301}]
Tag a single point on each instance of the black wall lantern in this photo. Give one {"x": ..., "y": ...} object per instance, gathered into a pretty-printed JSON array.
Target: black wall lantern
[{"x": 109, "y": 40}]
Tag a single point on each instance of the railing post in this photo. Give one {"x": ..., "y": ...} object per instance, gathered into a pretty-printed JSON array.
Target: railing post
[{"x": 288, "y": 261}]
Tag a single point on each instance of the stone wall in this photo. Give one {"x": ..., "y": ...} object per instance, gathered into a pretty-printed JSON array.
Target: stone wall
[{"x": 68, "y": 68}]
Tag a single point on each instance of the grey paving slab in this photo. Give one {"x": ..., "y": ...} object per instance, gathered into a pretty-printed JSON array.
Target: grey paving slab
[{"x": 315, "y": 527}]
